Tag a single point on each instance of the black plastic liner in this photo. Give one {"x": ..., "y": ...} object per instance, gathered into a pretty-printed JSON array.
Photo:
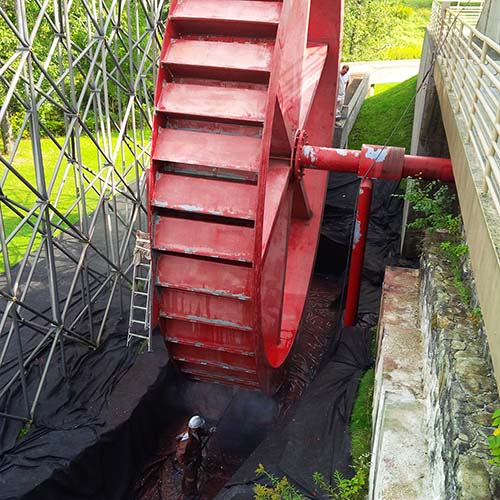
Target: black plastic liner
[
  {"x": 382, "y": 239},
  {"x": 96, "y": 426},
  {"x": 94, "y": 431},
  {"x": 315, "y": 434}
]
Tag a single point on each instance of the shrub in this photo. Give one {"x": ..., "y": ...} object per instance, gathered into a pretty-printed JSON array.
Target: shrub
[{"x": 494, "y": 439}]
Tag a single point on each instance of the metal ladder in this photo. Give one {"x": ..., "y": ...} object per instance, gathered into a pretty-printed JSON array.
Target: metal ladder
[{"x": 140, "y": 299}]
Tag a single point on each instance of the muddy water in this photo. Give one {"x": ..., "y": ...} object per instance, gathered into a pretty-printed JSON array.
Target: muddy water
[{"x": 161, "y": 481}]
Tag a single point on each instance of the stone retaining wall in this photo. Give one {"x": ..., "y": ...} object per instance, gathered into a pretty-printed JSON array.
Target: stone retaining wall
[
  {"x": 435, "y": 370},
  {"x": 461, "y": 389}
]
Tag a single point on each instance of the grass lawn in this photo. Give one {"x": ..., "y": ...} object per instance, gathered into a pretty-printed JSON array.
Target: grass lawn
[
  {"x": 63, "y": 193},
  {"x": 361, "y": 417},
  {"x": 381, "y": 112},
  {"x": 374, "y": 125}
]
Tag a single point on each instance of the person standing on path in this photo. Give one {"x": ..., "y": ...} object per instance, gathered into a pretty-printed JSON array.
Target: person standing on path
[{"x": 341, "y": 89}]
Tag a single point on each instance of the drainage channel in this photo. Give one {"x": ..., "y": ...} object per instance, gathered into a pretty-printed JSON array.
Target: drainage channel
[{"x": 243, "y": 418}]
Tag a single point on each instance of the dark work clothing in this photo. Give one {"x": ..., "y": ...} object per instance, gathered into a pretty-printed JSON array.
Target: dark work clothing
[{"x": 190, "y": 456}]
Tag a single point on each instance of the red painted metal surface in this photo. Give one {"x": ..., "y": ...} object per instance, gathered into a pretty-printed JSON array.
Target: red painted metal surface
[
  {"x": 376, "y": 162},
  {"x": 249, "y": 18},
  {"x": 372, "y": 162},
  {"x": 233, "y": 236},
  {"x": 238, "y": 104},
  {"x": 234, "y": 222},
  {"x": 175, "y": 192},
  {"x": 358, "y": 250},
  {"x": 425, "y": 167}
]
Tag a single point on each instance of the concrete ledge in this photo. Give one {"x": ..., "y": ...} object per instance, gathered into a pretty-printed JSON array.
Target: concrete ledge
[
  {"x": 355, "y": 97},
  {"x": 399, "y": 467}
]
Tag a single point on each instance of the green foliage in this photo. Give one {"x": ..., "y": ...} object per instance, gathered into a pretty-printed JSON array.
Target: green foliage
[
  {"x": 409, "y": 51},
  {"x": 280, "y": 489},
  {"x": 494, "y": 439},
  {"x": 380, "y": 113},
  {"x": 367, "y": 28},
  {"x": 24, "y": 430},
  {"x": 384, "y": 29},
  {"x": 476, "y": 315},
  {"x": 347, "y": 489},
  {"x": 51, "y": 113},
  {"x": 433, "y": 202},
  {"x": 403, "y": 12},
  {"x": 143, "y": 345},
  {"x": 360, "y": 425},
  {"x": 343, "y": 488}
]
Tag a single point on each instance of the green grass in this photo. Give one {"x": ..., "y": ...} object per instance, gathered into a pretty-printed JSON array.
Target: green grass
[
  {"x": 15, "y": 190},
  {"x": 381, "y": 112},
  {"x": 361, "y": 417}
]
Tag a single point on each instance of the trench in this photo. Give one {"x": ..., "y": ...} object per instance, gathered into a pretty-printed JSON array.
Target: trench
[{"x": 243, "y": 418}]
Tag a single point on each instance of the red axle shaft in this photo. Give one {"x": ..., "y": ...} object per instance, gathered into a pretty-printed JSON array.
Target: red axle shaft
[
  {"x": 381, "y": 162},
  {"x": 371, "y": 162}
]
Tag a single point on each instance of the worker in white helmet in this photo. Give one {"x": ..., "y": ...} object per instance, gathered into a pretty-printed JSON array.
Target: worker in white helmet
[{"x": 189, "y": 454}]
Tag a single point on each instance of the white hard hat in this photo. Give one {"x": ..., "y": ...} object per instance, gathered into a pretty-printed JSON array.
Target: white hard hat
[{"x": 196, "y": 422}]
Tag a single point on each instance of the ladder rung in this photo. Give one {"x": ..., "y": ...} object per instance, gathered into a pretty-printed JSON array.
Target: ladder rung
[
  {"x": 138, "y": 322},
  {"x": 140, "y": 293},
  {"x": 140, "y": 307},
  {"x": 138, "y": 278},
  {"x": 145, "y": 337}
]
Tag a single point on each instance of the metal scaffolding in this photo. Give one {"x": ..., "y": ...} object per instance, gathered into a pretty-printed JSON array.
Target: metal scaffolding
[{"x": 76, "y": 91}]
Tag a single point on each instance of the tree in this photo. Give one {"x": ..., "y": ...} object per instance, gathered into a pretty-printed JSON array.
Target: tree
[{"x": 367, "y": 28}]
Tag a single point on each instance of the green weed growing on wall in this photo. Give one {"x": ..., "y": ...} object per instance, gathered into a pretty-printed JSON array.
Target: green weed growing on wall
[
  {"x": 494, "y": 439},
  {"x": 433, "y": 204}
]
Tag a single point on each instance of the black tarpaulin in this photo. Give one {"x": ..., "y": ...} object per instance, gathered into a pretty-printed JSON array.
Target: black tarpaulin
[
  {"x": 315, "y": 436},
  {"x": 383, "y": 233},
  {"x": 93, "y": 430}
]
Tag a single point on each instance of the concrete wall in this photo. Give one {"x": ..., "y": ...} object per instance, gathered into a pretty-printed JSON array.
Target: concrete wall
[
  {"x": 399, "y": 462},
  {"x": 428, "y": 139},
  {"x": 434, "y": 390},
  {"x": 438, "y": 129},
  {"x": 481, "y": 220},
  {"x": 428, "y": 135},
  {"x": 355, "y": 97},
  {"x": 489, "y": 21}
]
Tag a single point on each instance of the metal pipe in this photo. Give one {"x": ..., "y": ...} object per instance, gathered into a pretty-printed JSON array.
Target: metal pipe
[
  {"x": 358, "y": 251},
  {"x": 428, "y": 168},
  {"x": 348, "y": 160},
  {"x": 338, "y": 160}
]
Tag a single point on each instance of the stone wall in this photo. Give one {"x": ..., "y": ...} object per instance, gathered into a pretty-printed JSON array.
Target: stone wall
[{"x": 460, "y": 387}]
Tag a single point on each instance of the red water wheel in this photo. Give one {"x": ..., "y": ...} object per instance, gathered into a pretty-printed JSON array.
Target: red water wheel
[{"x": 234, "y": 229}]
